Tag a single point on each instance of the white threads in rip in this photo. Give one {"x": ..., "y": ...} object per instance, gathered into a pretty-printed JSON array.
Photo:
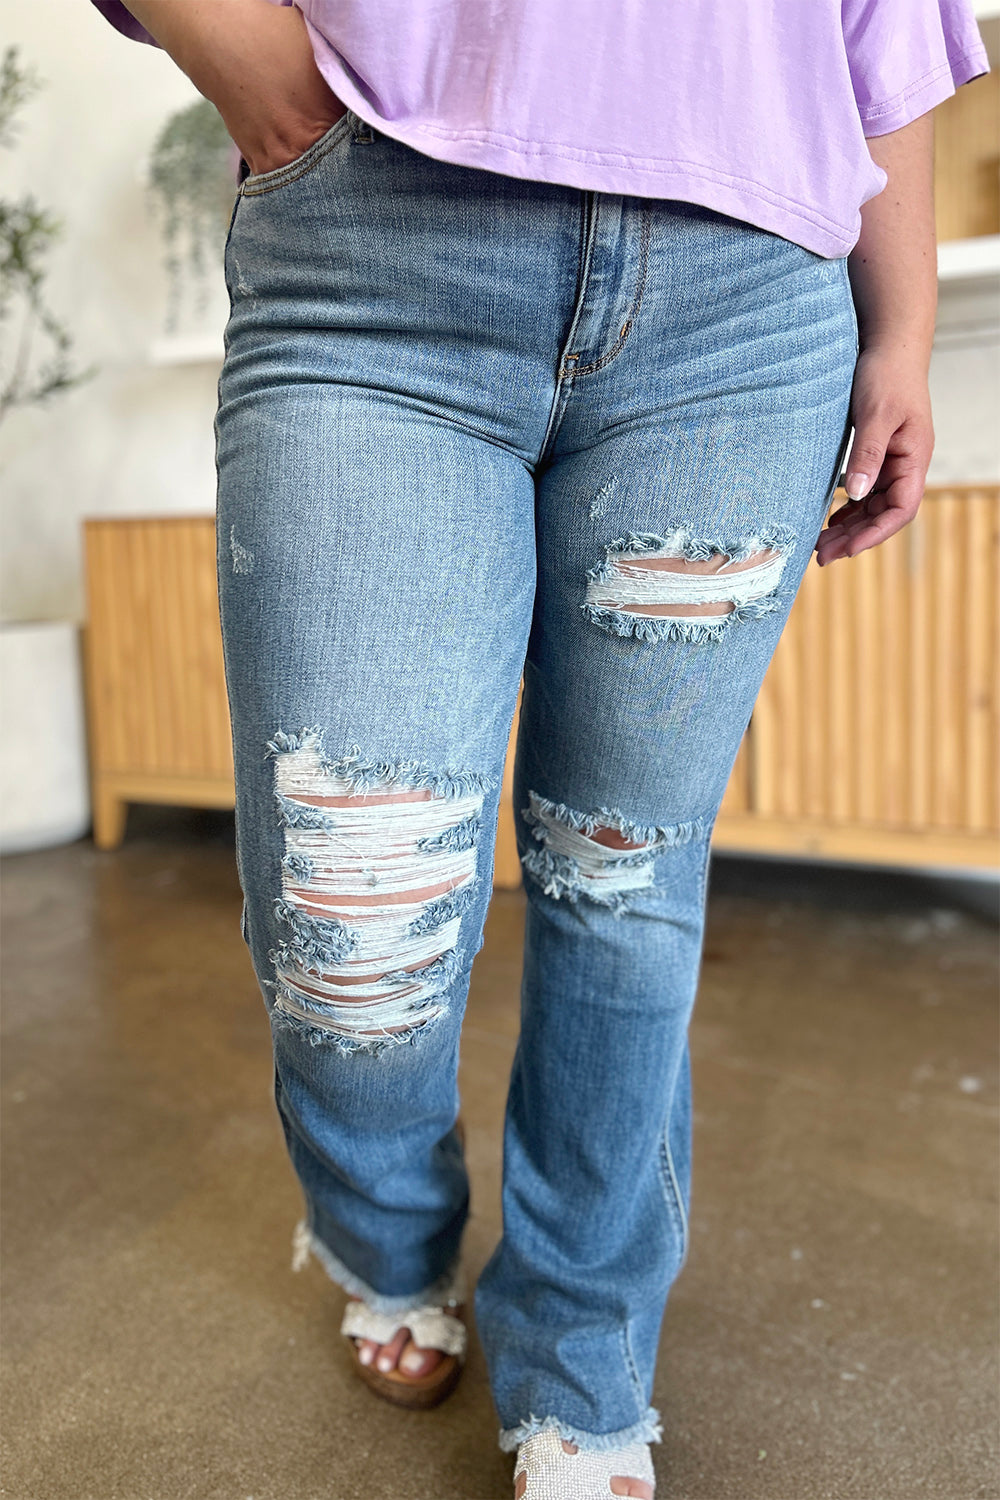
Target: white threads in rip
[
  {"x": 361, "y": 860},
  {"x": 628, "y": 584},
  {"x": 597, "y": 867}
]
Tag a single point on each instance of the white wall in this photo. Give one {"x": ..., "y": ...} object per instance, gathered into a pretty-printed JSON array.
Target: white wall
[
  {"x": 138, "y": 439},
  {"x": 965, "y": 383},
  {"x": 134, "y": 438}
]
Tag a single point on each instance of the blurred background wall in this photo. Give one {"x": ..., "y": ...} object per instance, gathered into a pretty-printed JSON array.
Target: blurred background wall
[{"x": 138, "y": 436}]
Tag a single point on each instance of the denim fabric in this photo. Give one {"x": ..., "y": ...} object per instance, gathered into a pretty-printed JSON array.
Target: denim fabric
[{"x": 472, "y": 426}]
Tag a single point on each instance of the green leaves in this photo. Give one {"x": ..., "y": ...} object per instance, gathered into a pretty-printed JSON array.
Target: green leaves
[
  {"x": 34, "y": 344},
  {"x": 193, "y": 173}
]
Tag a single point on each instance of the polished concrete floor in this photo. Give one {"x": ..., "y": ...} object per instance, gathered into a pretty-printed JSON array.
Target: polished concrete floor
[{"x": 833, "y": 1335}]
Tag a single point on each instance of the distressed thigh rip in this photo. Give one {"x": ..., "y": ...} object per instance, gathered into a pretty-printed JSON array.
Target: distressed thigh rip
[
  {"x": 379, "y": 865},
  {"x": 682, "y": 587}
]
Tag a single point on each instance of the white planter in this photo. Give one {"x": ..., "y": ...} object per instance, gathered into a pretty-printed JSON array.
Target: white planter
[{"x": 44, "y": 798}]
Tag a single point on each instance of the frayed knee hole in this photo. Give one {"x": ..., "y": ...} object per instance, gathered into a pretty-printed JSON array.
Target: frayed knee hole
[{"x": 375, "y": 881}]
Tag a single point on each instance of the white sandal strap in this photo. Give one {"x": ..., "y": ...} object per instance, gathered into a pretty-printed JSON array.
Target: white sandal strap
[
  {"x": 430, "y": 1327},
  {"x": 554, "y": 1474}
]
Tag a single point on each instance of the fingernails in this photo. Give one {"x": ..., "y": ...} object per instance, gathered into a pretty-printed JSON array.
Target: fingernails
[
  {"x": 365, "y": 1355},
  {"x": 385, "y": 1363},
  {"x": 412, "y": 1362},
  {"x": 857, "y": 486}
]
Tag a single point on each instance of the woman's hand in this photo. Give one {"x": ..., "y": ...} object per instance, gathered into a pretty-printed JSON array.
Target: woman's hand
[
  {"x": 254, "y": 61},
  {"x": 890, "y": 454},
  {"x": 893, "y": 271},
  {"x": 277, "y": 103}
]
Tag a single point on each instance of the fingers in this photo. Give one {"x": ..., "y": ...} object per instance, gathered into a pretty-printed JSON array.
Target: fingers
[
  {"x": 890, "y": 451},
  {"x": 861, "y": 524},
  {"x": 867, "y": 456},
  {"x": 862, "y": 467}
]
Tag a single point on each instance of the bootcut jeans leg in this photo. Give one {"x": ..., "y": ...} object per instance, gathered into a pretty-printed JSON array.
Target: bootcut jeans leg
[{"x": 470, "y": 428}]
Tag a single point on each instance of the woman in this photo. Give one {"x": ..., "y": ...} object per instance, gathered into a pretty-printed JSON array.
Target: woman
[{"x": 549, "y": 325}]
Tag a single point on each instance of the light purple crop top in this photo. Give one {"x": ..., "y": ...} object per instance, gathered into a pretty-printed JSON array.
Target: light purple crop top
[{"x": 758, "y": 110}]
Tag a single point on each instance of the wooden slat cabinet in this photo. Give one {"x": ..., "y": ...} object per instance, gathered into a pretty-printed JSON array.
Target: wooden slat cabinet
[
  {"x": 157, "y": 711},
  {"x": 875, "y": 736},
  {"x": 967, "y": 161}
]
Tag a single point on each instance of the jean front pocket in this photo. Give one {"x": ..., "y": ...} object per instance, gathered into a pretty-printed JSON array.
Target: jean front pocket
[{"x": 256, "y": 183}]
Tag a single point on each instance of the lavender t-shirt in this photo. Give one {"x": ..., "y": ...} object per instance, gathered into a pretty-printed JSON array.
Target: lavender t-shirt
[{"x": 759, "y": 110}]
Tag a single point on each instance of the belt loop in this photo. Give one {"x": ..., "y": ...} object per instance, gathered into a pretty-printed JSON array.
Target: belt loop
[{"x": 364, "y": 134}]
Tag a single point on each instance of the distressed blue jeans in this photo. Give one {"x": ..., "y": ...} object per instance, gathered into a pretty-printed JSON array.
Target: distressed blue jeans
[{"x": 473, "y": 428}]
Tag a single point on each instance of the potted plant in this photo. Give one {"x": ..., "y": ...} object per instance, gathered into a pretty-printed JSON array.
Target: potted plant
[
  {"x": 43, "y": 782},
  {"x": 36, "y": 363},
  {"x": 193, "y": 177}
]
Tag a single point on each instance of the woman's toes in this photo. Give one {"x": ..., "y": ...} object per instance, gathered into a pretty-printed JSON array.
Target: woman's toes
[
  {"x": 400, "y": 1353},
  {"x": 620, "y": 1484},
  {"x": 416, "y": 1361},
  {"x": 388, "y": 1355},
  {"x": 635, "y": 1487}
]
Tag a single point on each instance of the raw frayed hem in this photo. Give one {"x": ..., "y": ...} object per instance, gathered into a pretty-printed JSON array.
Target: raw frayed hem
[
  {"x": 648, "y": 1430},
  {"x": 305, "y": 1243}
]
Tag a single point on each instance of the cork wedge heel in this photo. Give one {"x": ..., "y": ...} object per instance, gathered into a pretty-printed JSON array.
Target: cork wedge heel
[{"x": 431, "y": 1326}]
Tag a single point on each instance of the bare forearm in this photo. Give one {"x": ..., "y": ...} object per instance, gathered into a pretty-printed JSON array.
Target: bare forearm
[
  {"x": 197, "y": 33},
  {"x": 254, "y": 61},
  {"x": 893, "y": 270},
  {"x": 893, "y": 267}
]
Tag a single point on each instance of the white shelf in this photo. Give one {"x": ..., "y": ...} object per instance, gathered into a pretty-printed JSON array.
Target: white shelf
[
  {"x": 966, "y": 260},
  {"x": 985, "y": 10},
  {"x": 187, "y": 349}
]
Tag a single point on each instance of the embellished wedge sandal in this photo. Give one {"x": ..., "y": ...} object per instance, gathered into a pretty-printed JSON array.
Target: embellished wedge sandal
[
  {"x": 554, "y": 1474},
  {"x": 436, "y": 1325}
]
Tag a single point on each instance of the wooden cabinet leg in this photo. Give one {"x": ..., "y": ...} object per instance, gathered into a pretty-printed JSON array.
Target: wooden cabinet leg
[
  {"x": 506, "y": 865},
  {"x": 109, "y": 812}
]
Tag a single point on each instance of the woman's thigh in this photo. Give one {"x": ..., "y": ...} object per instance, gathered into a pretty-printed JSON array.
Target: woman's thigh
[
  {"x": 373, "y": 643},
  {"x": 677, "y": 511},
  {"x": 366, "y": 555},
  {"x": 379, "y": 409},
  {"x": 388, "y": 376}
]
